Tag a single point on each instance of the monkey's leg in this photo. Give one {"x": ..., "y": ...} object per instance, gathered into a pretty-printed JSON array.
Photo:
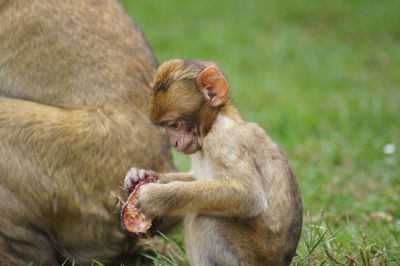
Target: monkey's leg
[
  {"x": 21, "y": 239},
  {"x": 53, "y": 170},
  {"x": 204, "y": 243},
  {"x": 21, "y": 242},
  {"x": 215, "y": 240}
]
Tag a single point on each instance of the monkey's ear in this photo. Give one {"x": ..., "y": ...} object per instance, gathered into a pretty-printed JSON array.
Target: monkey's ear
[{"x": 213, "y": 86}]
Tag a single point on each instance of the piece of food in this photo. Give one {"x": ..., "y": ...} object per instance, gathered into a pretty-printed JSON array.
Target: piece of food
[{"x": 131, "y": 219}]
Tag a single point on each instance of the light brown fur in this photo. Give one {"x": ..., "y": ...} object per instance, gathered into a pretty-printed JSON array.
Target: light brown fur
[
  {"x": 75, "y": 79},
  {"x": 243, "y": 205}
]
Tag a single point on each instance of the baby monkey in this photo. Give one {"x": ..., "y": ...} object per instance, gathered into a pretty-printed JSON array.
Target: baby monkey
[{"x": 241, "y": 200}]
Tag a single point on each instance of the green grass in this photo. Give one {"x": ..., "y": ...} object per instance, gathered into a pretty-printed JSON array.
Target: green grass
[{"x": 323, "y": 79}]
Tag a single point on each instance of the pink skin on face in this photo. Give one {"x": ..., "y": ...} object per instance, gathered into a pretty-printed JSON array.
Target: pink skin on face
[{"x": 183, "y": 141}]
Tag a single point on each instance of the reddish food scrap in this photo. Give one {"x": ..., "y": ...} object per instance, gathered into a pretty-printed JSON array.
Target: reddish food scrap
[{"x": 131, "y": 219}]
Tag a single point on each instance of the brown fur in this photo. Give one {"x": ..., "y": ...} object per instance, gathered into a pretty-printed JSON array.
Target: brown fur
[
  {"x": 75, "y": 79},
  {"x": 243, "y": 206}
]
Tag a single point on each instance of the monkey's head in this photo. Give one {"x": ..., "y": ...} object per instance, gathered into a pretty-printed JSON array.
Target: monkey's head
[{"x": 186, "y": 98}]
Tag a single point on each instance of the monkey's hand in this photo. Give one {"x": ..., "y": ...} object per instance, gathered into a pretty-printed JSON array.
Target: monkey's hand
[
  {"x": 149, "y": 202},
  {"x": 134, "y": 175}
]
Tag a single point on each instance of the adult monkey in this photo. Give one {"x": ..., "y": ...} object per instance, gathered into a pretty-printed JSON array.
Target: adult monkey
[{"x": 74, "y": 81}]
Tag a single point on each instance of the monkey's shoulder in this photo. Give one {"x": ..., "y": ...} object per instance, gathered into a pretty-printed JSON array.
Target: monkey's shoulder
[
  {"x": 238, "y": 139},
  {"x": 229, "y": 131}
]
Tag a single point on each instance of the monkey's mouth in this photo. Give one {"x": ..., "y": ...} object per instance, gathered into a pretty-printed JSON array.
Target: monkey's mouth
[
  {"x": 187, "y": 144},
  {"x": 191, "y": 148}
]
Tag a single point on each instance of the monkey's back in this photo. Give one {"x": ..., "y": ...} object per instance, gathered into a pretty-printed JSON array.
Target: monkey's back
[
  {"x": 281, "y": 222},
  {"x": 284, "y": 214},
  {"x": 73, "y": 53}
]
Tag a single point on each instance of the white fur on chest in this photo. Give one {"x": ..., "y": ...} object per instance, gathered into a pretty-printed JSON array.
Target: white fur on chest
[
  {"x": 223, "y": 123},
  {"x": 201, "y": 167}
]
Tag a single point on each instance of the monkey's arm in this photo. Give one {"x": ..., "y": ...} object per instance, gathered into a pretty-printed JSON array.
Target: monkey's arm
[
  {"x": 135, "y": 174},
  {"x": 169, "y": 177},
  {"x": 211, "y": 196}
]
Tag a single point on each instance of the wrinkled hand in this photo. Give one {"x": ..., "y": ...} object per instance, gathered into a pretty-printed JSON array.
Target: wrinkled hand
[
  {"x": 134, "y": 175},
  {"x": 150, "y": 202}
]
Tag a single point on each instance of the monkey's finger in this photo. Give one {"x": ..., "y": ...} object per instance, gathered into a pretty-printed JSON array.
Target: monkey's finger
[
  {"x": 151, "y": 174},
  {"x": 131, "y": 179},
  {"x": 128, "y": 185},
  {"x": 132, "y": 173},
  {"x": 142, "y": 174}
]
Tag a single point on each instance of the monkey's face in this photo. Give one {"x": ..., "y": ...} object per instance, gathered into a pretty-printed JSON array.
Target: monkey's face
[
  {"x": 174, "y": 103},
  {"x": 182, "y": 136},
  {"x": 185, "y": 100}
]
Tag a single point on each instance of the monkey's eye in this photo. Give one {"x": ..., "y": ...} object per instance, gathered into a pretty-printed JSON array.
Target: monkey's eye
[{"x": 172, "y": 124}]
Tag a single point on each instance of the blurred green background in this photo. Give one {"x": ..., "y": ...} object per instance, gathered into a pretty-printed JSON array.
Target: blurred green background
[{"x": 323, "y": 79}]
